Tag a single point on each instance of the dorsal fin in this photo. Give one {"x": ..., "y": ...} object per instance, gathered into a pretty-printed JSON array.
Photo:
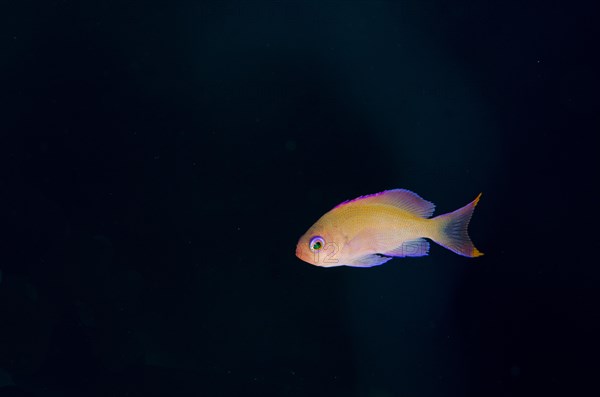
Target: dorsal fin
[{"x": 401, "y": 198}]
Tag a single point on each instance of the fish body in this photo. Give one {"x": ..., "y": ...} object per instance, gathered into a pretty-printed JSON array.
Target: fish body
[{"x": 371, "y": 230}]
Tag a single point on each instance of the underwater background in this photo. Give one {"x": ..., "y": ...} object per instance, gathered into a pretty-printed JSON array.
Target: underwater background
[{"x": 160, "y": 160}]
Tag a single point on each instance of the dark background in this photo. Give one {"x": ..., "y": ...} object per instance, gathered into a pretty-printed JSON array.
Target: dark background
[{"x": 159, "y": 161}]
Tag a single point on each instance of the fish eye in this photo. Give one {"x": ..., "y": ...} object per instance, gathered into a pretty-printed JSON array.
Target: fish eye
[{"x": 316, "y": 243}]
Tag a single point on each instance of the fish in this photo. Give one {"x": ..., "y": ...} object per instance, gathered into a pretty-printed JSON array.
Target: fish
[{"x": 371, "y": 230}]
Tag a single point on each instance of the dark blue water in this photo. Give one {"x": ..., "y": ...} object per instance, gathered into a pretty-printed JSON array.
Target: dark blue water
[{"x": 160, "y": 160}]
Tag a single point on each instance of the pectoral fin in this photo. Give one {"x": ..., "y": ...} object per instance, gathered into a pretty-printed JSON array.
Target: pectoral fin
[
  {"x": 369, "y": 260},
  {"x": 417, "y": 247}
]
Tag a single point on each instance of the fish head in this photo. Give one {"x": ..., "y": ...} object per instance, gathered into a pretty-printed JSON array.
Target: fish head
[{"x": 320, "y": 246}]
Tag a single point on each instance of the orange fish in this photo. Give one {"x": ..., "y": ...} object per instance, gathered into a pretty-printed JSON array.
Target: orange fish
[{"x": 371, "y": 230}]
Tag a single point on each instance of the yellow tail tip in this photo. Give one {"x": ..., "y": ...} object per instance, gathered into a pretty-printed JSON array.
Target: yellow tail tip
[{"x": 477, "y": 199}]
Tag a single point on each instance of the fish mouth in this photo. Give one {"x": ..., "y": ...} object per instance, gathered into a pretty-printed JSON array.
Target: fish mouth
[{"x": 302, "y": 255}]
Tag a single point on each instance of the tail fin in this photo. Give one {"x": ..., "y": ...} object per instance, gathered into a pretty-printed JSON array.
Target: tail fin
[{"x": 452, "y": 230}]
